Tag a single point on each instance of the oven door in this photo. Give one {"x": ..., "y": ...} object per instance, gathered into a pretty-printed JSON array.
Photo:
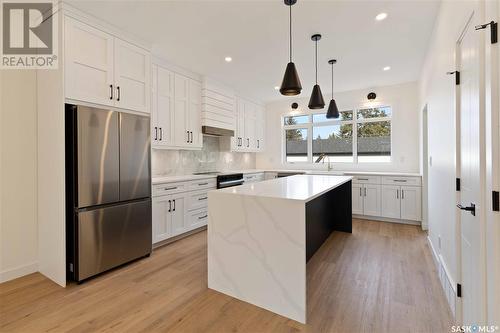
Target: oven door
[{"x": 229, "y": 183}]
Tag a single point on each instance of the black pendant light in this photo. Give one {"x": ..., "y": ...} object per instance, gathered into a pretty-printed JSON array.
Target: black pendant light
[
  {"x": 290, "y": 86},
  {"x": 333, "y": 111},
  {"x": 316, "y": 101}
]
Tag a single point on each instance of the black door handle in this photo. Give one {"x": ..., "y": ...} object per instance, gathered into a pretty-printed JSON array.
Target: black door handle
[
  {"x": 156, "y": 133},
  {"x": 169, "y": 205},
  {"x": 119, "y": 93},
  {"x": 174, "y": 206},
  {"x": 471, "y": 208},
  {"x": 111, "y": 89}
]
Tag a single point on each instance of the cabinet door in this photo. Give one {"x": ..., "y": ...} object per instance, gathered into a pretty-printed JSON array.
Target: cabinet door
[
  {"x": 161, "y": 218},
  {"x": 239, "y": 133},
  {"x": 357, "y": 199},
  {"x": 154, "y": 106},
  {"x": 250, "y": 143},
  {"x": 88, "y": 63},
  {"x": 177, "y": 215},
  {"x": 259, "y": 129},
  {"x": 391, "y": 202},
  {"x": 411, "y": 198},
  {"x": 195, "y": 114},
  {"x": 132, "y": 76},
  {"x": 371, "y": 202},
  {"x": 181, "y": 93},
  {"x": 165, "y": 106}
]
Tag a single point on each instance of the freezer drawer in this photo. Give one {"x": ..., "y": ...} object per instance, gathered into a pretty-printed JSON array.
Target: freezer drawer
[
  {"x": 135, "y": 177},
  {"x": 111, "y": 236}
]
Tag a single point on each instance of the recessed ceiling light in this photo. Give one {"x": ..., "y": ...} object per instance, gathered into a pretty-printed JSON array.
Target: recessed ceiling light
[
  {"x": 276, "y": 88},
  {"x": 386, "y": 68},
  {"x": 228, "y": 59},
  {"x": 381, "y": 16}
]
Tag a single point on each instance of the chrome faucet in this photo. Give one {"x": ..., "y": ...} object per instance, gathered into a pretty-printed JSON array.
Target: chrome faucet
[{"x": 321, "y": 158}]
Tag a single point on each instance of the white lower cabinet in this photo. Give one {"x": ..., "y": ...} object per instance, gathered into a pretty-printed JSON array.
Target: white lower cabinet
[
  {"x": 402, "y": 202},
  {"x": 366, "y": 199},
  {"x": 392, "y": 197},
  {"x": 180, "y": 207}
]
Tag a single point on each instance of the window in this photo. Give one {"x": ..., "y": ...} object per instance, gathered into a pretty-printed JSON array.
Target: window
[{"x": 358, "y": 136}]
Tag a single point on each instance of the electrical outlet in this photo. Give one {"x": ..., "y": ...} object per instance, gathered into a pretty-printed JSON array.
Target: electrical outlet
[{"x": 439, "y": 242}]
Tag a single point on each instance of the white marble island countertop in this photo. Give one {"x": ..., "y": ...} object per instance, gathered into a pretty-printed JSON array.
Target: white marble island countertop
[{"x": 299, "y": 187}]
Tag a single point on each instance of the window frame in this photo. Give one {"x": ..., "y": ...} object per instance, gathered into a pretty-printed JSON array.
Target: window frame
[{"x": 354, "y": 122}]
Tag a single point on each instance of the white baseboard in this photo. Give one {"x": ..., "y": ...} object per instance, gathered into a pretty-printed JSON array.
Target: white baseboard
[
  {"x": 447, "y": 283},
  {"x": 384, "y": 219},
  {"x": 17, "y": 272}
]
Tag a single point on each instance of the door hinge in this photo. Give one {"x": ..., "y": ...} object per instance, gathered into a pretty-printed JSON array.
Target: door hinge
[
  {"x": 493, "y": 30},
  {"x": 459, "y": 290},
  {"x": 496, "y": 201},
  {"x": 457, "y": 76},
  {"x": 457, "y": 184}
]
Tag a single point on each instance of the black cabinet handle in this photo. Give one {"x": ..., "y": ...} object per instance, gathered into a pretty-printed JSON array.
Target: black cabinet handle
[
  {"x": 169, "y": 206},
  {"x": 191, "y": 141},
  {"x": 402, "y": 194},
  {"x": 188, "y": 136},
  {"x": 248, "y": 142},
  {"x": 202, "y": 217},
  {"x": 174, "y": 205},
  {"x": 161, "y": 133},
  {"x": 202, "y": 198},
  {"x": 258, "y": 144},
  {"x": 170, "y": 188},
  {"x": 397, "y": 194},
  {"x": 202, "y": 184},
  {"x": 471, "y": 208},
  {"x": 111, "y": 89},
  {"x": 119, "y": 94},
  {"x": 156, "y": 133}
]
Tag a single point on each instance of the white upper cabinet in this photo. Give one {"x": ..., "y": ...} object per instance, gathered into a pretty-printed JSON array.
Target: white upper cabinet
[
  {"x": 162, "y": 107},
  {"x": 249, "y": 130},
  {"x": 194, "y": 116},
  {"x": 176, "y": 111},
  {"x": 88, "y": 63},
  {"x": 181, "y": 132},
  {"x": 132, "y": 76},
  {"x": 105, "y": 70}
]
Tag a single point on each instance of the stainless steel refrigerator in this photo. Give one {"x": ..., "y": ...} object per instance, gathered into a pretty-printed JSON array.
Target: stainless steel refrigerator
[{"x": 108, "y": 190}]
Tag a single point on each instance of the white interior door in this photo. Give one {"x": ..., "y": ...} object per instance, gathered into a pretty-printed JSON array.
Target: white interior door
[{"x": 471, "y": 165}]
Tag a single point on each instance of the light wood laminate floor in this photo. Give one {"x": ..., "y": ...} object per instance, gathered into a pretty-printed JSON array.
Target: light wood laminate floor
[{"x": 380, "y": 278}]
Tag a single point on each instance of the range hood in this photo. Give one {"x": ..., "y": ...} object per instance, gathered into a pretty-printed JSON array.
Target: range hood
[{"x": 216, "y": 131}]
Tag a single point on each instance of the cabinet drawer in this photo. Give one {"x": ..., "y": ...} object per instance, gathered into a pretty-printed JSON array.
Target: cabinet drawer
[
  {"x": 392, "y": 180},
  {"x": 197, "y": 200},
  {"x": 360, "y": 179},
  {"x": 169, "y": 188},
  {"x": 196, "y": 219},
  {"x": 202, "y": 184}
]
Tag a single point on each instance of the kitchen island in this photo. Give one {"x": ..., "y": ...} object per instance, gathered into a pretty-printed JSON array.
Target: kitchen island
[{"x": 261, "y": 235}]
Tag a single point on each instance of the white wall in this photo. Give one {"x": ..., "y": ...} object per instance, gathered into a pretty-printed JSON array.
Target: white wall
[
  {"x": 437, "y": 90},
  {"x": 405, "y": 128},
  {"x": 18, "y": 180}
]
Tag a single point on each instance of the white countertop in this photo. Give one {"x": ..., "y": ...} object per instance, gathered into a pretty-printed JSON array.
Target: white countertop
[
  {"x": 181, "y": 178},
  {"x": 298, "y": 187}
]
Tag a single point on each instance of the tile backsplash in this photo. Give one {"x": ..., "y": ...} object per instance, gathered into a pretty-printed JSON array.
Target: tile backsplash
[{"x": 210, "y": 158}]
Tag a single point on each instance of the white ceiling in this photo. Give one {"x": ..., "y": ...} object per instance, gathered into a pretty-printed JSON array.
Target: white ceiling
[{"x": 198, "y": 35}]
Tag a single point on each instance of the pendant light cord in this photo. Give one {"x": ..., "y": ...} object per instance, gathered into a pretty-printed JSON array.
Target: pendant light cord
[
  {"x": 332, "y": 81},
  {"x": 316, "y": 55},
  {"x": 290, "y": 33}
]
